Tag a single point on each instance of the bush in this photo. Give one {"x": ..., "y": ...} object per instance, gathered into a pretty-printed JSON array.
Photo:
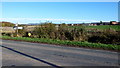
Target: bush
[
  {"x": 22, "y": 32},
  {"x": 107, "y": 37},
  {"x": 48, "y": 30},
  {"x": 79, "y": 34},
  {"x": 63, "y": 32},
  {"x": 7, "y": 34}
]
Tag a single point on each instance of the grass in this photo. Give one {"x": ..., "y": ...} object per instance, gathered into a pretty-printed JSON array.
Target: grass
[
  {"x": 66, "y": 42},
  {"x": 115, "y": 27},
  {"x": 101, "y": 27}
]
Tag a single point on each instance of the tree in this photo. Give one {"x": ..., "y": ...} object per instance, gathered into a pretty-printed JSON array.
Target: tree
[{"x": 101, "y": 22}]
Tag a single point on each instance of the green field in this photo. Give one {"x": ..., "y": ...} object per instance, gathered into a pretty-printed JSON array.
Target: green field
[
  {"x": 115, "y": 27},
  {"x": 66, "y": 42},
  {"x": 101, "y": 27}
]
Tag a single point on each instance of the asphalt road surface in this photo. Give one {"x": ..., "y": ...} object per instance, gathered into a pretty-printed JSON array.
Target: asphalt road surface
[{"x": 17, "y": 53}]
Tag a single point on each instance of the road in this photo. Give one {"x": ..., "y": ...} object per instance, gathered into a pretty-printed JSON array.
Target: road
[{"x": 17, "y": 53}]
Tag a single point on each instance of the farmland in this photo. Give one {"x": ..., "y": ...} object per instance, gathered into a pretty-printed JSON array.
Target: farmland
[{"x": 100, "y": 27}]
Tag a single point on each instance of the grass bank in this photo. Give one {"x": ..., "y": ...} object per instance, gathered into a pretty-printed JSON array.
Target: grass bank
[{"x": 66, "y": 42}]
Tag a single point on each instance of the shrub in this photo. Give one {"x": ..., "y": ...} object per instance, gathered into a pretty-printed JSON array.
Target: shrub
[
  {"x": 107, "y": 37},
  {"x": 7, "y": 34},
  {"x": 48, "y": 30}
]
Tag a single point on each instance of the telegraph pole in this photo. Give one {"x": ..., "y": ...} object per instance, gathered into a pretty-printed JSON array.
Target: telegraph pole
[{"x": 17, "y": 29}]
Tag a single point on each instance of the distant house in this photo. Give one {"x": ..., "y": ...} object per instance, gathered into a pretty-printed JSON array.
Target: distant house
[
  {"x": 76, "y": 24},
  {"x": 70, "y": 24},
  {"x": 106, "y": 23},
  {"x": 94, "y": 24},
  {"x": 113, "y": 23},
  {"x": 86, "y": 24},
  {"x": 118, "y": 23}
]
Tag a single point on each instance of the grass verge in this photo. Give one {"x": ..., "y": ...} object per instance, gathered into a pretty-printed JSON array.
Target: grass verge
[{"x": 66, "y": 42}]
